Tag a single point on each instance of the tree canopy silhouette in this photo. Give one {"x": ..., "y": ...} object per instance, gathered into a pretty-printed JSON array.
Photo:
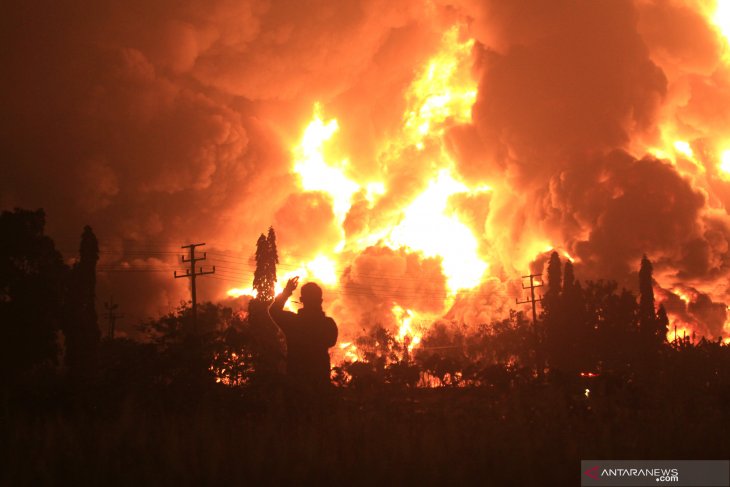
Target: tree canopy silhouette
[
  {"x": 598, "y": 327},
  {"x": 264, "y": 278},
  {"x": 269, "y": 341},
  {"x": 570, "y": 337},
  {"x": 653, "y": 327},
  {"x": 81, "y": 327},
  {"x": 32, "y": 278}
]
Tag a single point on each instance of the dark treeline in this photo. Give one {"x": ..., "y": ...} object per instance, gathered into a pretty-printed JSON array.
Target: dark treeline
[
  {"x": 47, "y": 308},
  {"x": 512, "y": 402}
]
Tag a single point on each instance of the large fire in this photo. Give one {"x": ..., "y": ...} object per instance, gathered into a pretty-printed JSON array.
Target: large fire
[
  {"x": 700, "y": 154},
  {"x": 316, "y": 172},
  {"x": 441, "y": 95},
  {"x": 414, "y": 158}
]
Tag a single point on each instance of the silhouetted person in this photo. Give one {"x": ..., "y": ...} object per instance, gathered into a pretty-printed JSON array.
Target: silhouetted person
[{"x": 309, "y": 334}]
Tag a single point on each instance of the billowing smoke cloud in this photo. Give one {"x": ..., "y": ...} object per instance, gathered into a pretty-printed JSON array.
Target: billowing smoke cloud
[
  {"x": 309, "y": 222},
  {"x": 569, "y": 90},
  {"x": 694, "y": 312},
  {"x": 161, "y": 124},
  {"x": 569, "y": 83},
  {"x": 164, "y": 123},
  {"x": 381, "y": 278}
]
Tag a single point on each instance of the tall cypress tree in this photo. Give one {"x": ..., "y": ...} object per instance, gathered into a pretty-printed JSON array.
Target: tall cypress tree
[
  {"x": 551, "y": 300},
  {"x": 271, "y": 241},
  {"x": 647, "y": 313},
  {"x": 568, "y": 278},
  {"x": 86, "y": 269},
  {"x": 264, "y": 278},
  {"x": 270, "y": 343},
  {"x": 81, "y": 324},
  {"x": 554, "y": 272},
  {"x": 260, "y": 279},
  {"x": 662, "y": 322},
  {"x": 554, "y": 325},
  {"x": 578, "y": 332}
]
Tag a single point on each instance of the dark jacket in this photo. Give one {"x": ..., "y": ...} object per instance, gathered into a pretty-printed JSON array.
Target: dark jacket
[{"x": 309, "y": 334}]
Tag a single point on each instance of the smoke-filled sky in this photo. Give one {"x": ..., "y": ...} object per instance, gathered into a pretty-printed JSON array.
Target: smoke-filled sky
[{"x": 416, "y": 158}]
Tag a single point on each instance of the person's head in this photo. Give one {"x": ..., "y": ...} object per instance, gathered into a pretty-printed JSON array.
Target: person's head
[{"x": 311, "y": 295}]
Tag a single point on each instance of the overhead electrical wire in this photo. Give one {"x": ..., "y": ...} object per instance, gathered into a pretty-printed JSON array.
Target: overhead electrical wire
[{"x": 233, "y": 267}]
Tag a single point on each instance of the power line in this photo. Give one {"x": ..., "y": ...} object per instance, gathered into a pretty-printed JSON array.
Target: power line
[
  {"x": 107, "y": 271},
  {"x": 532, "y": 298},
  {"x": 242, "y": 269},
  {"x": 247, "y": 263},
  {"x": 536, "y": 335},
  {"x": 349, "y": 287},
  {"x": 192, "y": 274},
  {"x": 111, "y": 315}
]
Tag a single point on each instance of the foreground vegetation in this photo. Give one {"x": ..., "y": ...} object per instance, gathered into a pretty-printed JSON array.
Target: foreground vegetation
[
  {"x": 533, "y": 433},
  {"x": 203, "y": 401}
]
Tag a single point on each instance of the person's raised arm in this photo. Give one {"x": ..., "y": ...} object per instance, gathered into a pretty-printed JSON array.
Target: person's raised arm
[{"x": 277, "y": 307}]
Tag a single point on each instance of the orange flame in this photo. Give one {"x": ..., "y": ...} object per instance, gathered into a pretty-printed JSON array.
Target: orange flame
[
  {"x": 406, "y": 332},
  {"x": 440, "y": 96},
  {"x": 442, "y": 93}
]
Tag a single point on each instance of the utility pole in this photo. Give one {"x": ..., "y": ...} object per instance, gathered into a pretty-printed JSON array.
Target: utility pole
[
  {"x": 540, "y": 365},
  {"x": 531, "y": 299},
  {"x": 192, "y": 274},
  {"x": 111, "y": 315}
]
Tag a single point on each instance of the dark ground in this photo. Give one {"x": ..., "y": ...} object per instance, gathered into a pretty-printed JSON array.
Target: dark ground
[{"x": 530, "y": 434}]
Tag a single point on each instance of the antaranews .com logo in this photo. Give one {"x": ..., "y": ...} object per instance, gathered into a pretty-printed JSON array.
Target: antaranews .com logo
[{"x": 709, "y": 473}]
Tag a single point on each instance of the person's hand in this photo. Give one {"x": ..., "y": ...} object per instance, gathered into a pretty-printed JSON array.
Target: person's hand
[{"x": 292, "y": 284}]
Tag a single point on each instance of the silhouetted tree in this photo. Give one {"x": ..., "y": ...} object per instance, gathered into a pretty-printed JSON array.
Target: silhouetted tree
[
  {"x": 652, "y": 331},
  {"x": 583, "y": 335},
  {"x": 81, "y": 327},
  {"x": 556, "y": 339},
  {"x": 570, "y": 334},
  {"x": 579, "y": 332},
  {"x": 662, "y": 321},
  {"x": 444, "y": 354},
  {"x": 274, "y": 253},
  {"x": 32, "y": 277},
  {"x": 225, "y": 350},
  {"x": 379, "y": 349},
  {"x": 613, "y": 316},
  {"x": 647, "y": 315},
  {"x": 169, "y": 330},
  {"x": 554, "y": 274},
  {"x": 264, "y": 279},
  {"x": 269, "y": 341},
  {"x": 569, "y": 282}
]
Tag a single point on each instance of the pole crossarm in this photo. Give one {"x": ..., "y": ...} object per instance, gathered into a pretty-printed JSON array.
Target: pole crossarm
[
  {"x": 537, "y": 331},
  {"x": 532, "y": 299},
  {"x": 112, "y": 316},
  {"x": 192, "y": 273}
]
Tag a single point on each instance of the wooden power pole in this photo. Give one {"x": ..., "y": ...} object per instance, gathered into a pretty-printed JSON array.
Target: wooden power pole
[
  {"x": 111, "y": 315},
  {"x": 192, "y": 273},
  {"x": 531, "y": 299},
  {"x": 537, "y": 336}
]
